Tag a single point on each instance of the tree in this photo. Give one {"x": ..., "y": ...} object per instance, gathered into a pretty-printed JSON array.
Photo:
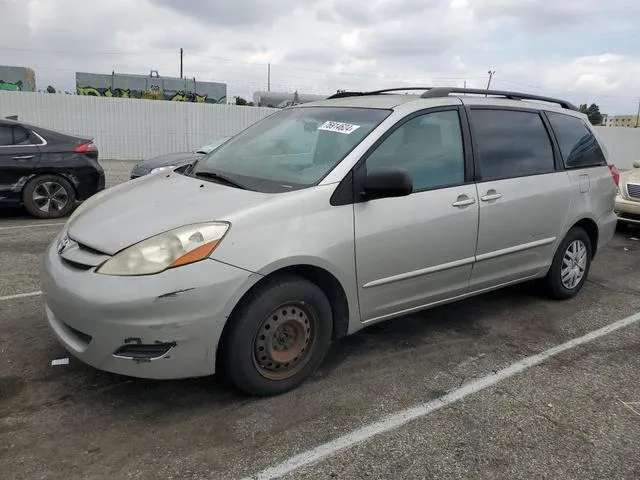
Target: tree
[
  {"x": 50, "y": 89},
  {"x": 593, "y": 112},
  {"x": 240, "y": 101}
]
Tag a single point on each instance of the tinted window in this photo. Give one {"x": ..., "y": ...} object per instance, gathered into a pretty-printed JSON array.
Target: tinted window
[
  {"x": 511, "y": 144},
  {"x": 429, "y": 146},
  {"x": 10, "y": 135},
  {"x": 578, "y": 145},
  {"x": 6, "y": 135}
]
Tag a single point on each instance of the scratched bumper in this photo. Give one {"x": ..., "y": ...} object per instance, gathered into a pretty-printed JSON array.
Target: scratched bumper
[{"x": 94, "y": 315}]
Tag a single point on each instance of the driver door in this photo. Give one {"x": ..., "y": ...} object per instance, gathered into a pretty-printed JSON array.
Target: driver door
[{"x": 417, "y": 250}]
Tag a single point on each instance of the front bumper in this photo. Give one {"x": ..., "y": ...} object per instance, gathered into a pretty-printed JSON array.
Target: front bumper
[
  {"x": 182, "y": 311},
  {"x": 627, "y": 210}
]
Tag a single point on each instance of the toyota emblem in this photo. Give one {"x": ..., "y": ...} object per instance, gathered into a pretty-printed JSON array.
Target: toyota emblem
[{"x": 63, "y": 243}]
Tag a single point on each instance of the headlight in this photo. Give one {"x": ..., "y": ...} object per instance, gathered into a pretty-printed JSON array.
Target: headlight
[
  {"x": 162, "y": 169},
  {"x": 174, "y": 248}
]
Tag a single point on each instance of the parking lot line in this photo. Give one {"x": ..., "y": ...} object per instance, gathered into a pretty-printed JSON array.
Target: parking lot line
[
  {"x": 20, "y": 295},
  {"x": 32, "y": 225},
  {"x": 398, "y": 419}
]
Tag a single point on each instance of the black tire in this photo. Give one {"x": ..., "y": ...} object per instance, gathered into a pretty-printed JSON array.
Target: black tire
[
  {"x": 553, "y": 281},
  {"x": 49, "y": 196},
  {"x": 281, "y": 305}
]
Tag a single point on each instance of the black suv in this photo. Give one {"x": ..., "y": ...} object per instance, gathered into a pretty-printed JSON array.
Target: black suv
[{"x": 46, "y": 171}]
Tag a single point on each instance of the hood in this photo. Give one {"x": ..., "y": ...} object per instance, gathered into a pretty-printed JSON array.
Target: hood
[
  {"x": 632, "y": 175},
  {"x": 177, "y": 159},
  {"x": 132, "y": 211}
]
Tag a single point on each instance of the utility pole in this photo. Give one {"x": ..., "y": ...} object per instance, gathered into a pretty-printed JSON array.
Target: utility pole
[
  {"x": 491, "y": 74},
  {"x": 181, "y": 52},
  {"x": 269, "y": 77}
]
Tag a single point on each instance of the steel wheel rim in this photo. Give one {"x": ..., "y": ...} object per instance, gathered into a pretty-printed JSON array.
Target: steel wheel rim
[
  {"x": 574, "y": 264},
  {"x": 285, "y": 341},
  {"x": 50, "y": 196}
]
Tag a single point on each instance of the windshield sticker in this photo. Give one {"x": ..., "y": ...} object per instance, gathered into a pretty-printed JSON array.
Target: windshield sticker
[{"x": 339, "y": 127}]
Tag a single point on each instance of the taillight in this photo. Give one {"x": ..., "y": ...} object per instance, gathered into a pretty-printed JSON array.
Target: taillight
[
  {"x": 615, "y": 174},
  {"x": 86, "y": 148}
]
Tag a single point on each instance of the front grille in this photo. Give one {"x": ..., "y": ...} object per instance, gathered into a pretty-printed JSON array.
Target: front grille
[
  {"x": 76, "y": 265},
  {"x": 633, "y": 189},
  {"x": 629, "y": 216}
]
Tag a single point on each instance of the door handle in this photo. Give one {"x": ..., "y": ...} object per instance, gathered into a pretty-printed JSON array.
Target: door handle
[
  {"x": 23, "y": 157},
  {"x": 463, "y": 201},
  {"x": 491, "y": 195}
]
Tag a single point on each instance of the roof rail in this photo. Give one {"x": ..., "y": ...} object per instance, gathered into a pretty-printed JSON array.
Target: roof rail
[
  {"x": 374, "y": 92},
  {"x": 435, "y": 92},
  {"x": 446, "y": 91}
]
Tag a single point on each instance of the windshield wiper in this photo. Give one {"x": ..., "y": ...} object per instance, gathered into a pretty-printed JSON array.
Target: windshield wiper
[{"x": 222, "y": 178}]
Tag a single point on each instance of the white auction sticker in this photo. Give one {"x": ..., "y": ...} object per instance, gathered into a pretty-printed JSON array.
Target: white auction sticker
[{"x": 338, "y": 127}]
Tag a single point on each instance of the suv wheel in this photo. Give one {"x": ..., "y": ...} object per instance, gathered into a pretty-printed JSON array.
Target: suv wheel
[
  {"x": 570, "y": 266},
  {"x": 49, "y": 196},
  {"x": 278, "y": 336}
]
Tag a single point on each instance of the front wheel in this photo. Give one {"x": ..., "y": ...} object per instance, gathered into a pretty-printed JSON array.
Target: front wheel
[
  {"x": 278, "y": 336},
  {"x": 570, "y": 266}
]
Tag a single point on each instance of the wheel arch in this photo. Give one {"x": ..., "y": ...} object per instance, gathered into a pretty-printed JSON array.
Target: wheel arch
[
  {"x": 321, "y": 277},
  {"x": 591, "y": 227},
  {"x": 41, "y": 173}
]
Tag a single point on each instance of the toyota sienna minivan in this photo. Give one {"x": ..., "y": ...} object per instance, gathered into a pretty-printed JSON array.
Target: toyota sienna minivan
[{"x": 323, "y": 219}]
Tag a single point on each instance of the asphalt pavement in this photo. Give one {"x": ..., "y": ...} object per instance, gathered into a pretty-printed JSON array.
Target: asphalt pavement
[{"x": 574, "y": 414}]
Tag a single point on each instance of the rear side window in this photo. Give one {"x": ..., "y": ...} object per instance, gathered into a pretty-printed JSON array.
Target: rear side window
[
  {"x": 511, "y": 144},
  {"x": 6, "y": 136},
  {"x": 11, "y": 135},
  {"x": 579, "y": 147}
]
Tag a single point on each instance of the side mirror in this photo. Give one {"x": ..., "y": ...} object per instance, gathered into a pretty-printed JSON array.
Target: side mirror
[
  {"x": 636, "y": 164},
  {"x": 388, "y": 182}
]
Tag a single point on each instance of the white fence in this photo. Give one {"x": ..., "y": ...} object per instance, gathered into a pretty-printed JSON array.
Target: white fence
[
  {"x": 133, "y": 129},
  {"x": 623, "y": 144}
]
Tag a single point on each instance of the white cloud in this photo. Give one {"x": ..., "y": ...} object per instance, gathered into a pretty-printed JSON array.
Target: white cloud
[{"x": 577, "y": 48}]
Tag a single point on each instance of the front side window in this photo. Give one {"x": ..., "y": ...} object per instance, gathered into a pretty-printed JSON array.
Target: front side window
[
  {"x": 579, "y": 147},
  {"x": 294, "y": 148},
  {"x": 429, "y": 147},
  {"x": 511, "y": 143}
]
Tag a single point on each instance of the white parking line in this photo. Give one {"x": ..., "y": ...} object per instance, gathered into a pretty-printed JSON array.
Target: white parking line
[
  {"x": 32, "y": 225},
  {"x": 393, "y": 421},
  {"x": 20, "y": 295}
]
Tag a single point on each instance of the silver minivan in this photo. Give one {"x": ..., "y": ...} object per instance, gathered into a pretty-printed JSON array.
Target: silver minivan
[{"x": 325, "y": 218}]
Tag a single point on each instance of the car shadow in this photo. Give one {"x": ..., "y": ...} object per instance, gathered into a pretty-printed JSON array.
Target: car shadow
[{"x": 126, "y": 394}]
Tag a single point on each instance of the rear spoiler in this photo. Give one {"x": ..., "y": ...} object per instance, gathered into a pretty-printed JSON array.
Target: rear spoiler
[{"x": 11, "y": 117}]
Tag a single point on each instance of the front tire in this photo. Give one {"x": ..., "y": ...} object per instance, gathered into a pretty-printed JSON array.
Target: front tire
[
  {"x": 278, "y": 337},
  {"x": 570, "y": 266},
  {"x": 49, "y": 196}
]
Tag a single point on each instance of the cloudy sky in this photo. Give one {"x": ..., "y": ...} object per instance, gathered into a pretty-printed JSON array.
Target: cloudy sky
[{"x": 584, "y": 50}]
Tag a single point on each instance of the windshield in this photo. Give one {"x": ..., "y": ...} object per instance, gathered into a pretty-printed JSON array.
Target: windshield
[
  {"x": 209, "y": 147},
  {"x": 291, "y": 149}
]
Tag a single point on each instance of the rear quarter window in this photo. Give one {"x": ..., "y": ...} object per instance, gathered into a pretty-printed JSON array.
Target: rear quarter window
[{"x": 578, "y": 145}]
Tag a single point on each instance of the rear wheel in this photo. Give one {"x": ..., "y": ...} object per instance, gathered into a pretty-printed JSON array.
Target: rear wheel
[
  {"x": 49, "y": 196},
  {"x": 278, "y": 336},
  {"x": 570, "y": 266}
]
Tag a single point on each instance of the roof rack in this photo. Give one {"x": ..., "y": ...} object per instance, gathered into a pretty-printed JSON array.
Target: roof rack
[
  {"x": 374, "y": 92},
  {"x": 435, "y": 92},
  {"x": 446, "y": 91}
]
